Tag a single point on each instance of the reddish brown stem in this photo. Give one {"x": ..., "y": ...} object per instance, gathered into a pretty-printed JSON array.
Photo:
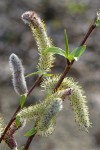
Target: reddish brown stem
[
  {"x": 18, "y": 109},
  {"x": 92, "y": 27},
  {"x": 66, "y": 70},
  {"x": 28, "y": 142}
]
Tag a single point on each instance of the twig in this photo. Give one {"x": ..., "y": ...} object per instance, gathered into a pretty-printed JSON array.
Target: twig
[
  {"x": 66, "y": 70},
  {"x": 18, "y": 109}
]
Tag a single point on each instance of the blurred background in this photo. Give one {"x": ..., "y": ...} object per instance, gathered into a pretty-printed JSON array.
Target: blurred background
[{"x": 15, "y": 37}]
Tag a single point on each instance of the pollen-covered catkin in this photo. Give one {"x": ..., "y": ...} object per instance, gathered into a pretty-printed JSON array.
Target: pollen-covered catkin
[
  {"x": 31, "y": 112},
  {"x": 18, "y": 78},
  {"x": 43, "y": 42},
  {"x": 77, "y": 98}
]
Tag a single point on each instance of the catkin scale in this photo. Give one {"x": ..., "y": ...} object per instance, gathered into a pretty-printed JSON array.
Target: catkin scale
[{"x": 18, "y": 78}]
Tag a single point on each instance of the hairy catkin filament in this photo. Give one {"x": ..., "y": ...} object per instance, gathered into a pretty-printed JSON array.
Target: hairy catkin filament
[{"x": 18, "y": 78}]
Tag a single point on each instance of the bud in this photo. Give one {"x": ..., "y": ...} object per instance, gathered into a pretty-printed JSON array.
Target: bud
[
  {"x": 97, "y": 23},
  {"x": 65, "y": 93},
  {"x": 19, "y": 82},
  {"x": 31, "y": 18}
]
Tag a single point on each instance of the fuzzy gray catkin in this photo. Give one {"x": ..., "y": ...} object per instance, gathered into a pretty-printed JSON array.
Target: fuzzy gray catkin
[
  {"x": 47, "y": 120},
  {"x": 54, "y": 107},
  {"x": 43, "y": 42},
  {"x": 18, "y": 78}
]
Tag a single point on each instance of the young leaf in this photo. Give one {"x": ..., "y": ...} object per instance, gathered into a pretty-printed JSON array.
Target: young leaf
[
  {"x": 66, "y": 43},
  {"x": 70, "y": 57},
  {"x": 56, "y": 50},
  {"x": 48, "y": 75},
  {"x": 17, "y": 121},
  {"x": 31, "y": 74},
  {"x": 22, "y": 100},
  {"x": 38, "y": 72},
  {"x": 31, "y": 132},
  {"x": 76, "y": 53}
]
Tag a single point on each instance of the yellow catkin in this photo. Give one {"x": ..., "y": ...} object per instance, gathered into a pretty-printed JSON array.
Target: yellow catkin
[
  {"x": 77, "y": 98},
  {"x": 43, "y": 42}
]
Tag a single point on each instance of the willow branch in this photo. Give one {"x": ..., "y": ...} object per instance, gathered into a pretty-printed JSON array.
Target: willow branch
[{"x": 65, "y": 72}]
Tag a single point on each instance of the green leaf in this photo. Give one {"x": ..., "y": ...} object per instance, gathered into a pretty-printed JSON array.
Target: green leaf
[
  {"x": 56, "y": 50},
  {"x": 31, "y": 74},
  {"x": 22, "y": 100},
  {"x": 76, "y": 53},
  {"x": 48, "y": 75},
  {"x": 17, "y": 121},
  {"x": 70, "y": 58},
  {"x": 31, "y": 132},
  {"x": 66, "y": 43}
]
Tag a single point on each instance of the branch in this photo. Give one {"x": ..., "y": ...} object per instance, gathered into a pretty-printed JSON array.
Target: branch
[
  {"x": 18, "y": 109},
  {"x": 65, "y": 72}
]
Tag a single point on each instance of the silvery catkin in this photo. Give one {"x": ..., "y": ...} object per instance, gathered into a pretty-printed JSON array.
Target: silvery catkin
[{"x": 18, "y": 78}]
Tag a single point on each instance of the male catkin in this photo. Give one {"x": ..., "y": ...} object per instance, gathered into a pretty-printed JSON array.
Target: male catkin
[{"x": 38, "y": 28}]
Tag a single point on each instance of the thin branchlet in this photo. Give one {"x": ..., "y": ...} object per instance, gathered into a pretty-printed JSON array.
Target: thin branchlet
[{"x": 18, "y": 78}]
